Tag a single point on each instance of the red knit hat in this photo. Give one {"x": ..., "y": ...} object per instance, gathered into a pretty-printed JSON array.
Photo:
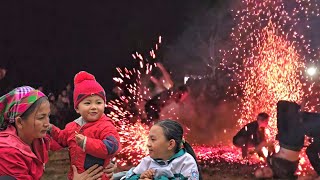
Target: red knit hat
[{"x": 86, "y": 85}]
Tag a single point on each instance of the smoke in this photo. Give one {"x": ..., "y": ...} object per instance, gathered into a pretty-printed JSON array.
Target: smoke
[
  {"x": 197, "y": 52},
  {"x": 208, "y": 118},
  {"x": 210, "y": 123},
  {"x": 207, "y": 113}
]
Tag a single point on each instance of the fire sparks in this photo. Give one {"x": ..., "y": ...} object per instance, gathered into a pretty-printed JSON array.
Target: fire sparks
[
  {"x": 271, "y": 75},
  {"x": 209, "y": 156},
  {"x": 269, "y": 57},
  {"x": 267, "y": 61},
  {"x": 128, "y": 109}
]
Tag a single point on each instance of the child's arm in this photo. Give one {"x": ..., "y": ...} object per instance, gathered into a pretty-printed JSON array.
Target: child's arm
[
  {"x": 109, "y": 145},
  {"x": 136, "y": 172},
  {"x": 60, "y": 136},
  {"x": 54, "y": 145}
]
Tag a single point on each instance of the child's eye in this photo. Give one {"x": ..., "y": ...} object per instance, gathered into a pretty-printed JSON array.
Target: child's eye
[
  {"x": 99, "y": 102},
  {"x": 86, "y": 103}
]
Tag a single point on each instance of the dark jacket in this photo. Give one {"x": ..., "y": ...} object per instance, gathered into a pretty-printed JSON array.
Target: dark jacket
[{"x": 252, "y": 132}]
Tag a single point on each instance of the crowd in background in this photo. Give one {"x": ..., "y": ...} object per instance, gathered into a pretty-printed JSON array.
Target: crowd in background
[
  {"x": 61, "y": 106},
  {"x": 203, "y": 92}
]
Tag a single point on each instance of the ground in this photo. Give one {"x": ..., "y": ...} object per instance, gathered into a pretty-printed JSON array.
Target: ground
[{"x": 58, "y": 167}]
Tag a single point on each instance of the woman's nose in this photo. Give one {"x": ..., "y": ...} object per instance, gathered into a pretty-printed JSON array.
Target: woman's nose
[{"x": 47, "y": 121}]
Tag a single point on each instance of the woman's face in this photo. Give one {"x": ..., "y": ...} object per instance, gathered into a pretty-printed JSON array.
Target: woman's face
[{"x": 36, "y": 124}]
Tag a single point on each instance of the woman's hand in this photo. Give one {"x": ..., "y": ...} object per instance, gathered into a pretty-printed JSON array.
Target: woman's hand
[
  {"x": 109, "y": 170},
  {"x": 93, "y": 173}
]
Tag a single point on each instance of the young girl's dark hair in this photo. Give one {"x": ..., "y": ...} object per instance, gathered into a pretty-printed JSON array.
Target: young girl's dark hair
[{"x": 173, "y": 130}]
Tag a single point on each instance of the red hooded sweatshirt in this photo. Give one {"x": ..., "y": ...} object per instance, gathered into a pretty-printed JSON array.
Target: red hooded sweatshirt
[{"x": 18, "y": 160}]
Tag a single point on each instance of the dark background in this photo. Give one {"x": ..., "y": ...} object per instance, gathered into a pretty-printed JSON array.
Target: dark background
[{"x": 45, "y": 43}]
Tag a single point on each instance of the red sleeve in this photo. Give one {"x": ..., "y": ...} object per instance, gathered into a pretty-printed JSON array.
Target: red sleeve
[
  {"x": 12, "y": 163},
  {"x": 60, "y": 136},
  {"x": 54, "y": 145},
  {"x": 109, "y": 145}
]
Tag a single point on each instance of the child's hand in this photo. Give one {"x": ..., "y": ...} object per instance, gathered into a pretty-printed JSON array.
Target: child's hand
[
  {"x": 79, "y": 139},
  {"x": 49, "y": 128},
  {"x": 147, "y": 174}
]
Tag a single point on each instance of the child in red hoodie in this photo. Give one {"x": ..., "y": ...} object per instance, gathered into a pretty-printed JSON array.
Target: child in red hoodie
[{"x": 92, "y": 138}]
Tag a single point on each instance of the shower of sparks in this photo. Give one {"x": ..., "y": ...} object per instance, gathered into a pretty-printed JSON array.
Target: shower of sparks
[
  {"x": 128, "y": 110},
  {"x": 267, "y": 61},
  {"x": 269, "y": 56},
  {"x": 272, "y": 74}
]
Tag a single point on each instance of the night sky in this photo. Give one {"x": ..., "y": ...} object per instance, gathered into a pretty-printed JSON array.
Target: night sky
[{"x": 44, "y": 43}]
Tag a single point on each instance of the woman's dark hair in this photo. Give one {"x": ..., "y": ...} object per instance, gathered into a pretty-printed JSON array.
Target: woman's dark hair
[
  {"x": 173, "y": 130},
  {"x": 33, "y": 107}
]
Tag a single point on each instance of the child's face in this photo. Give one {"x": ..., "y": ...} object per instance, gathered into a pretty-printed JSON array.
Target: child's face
[
  {"x": 91, "y": 108},
  {"x": 158, "y": 145}
]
